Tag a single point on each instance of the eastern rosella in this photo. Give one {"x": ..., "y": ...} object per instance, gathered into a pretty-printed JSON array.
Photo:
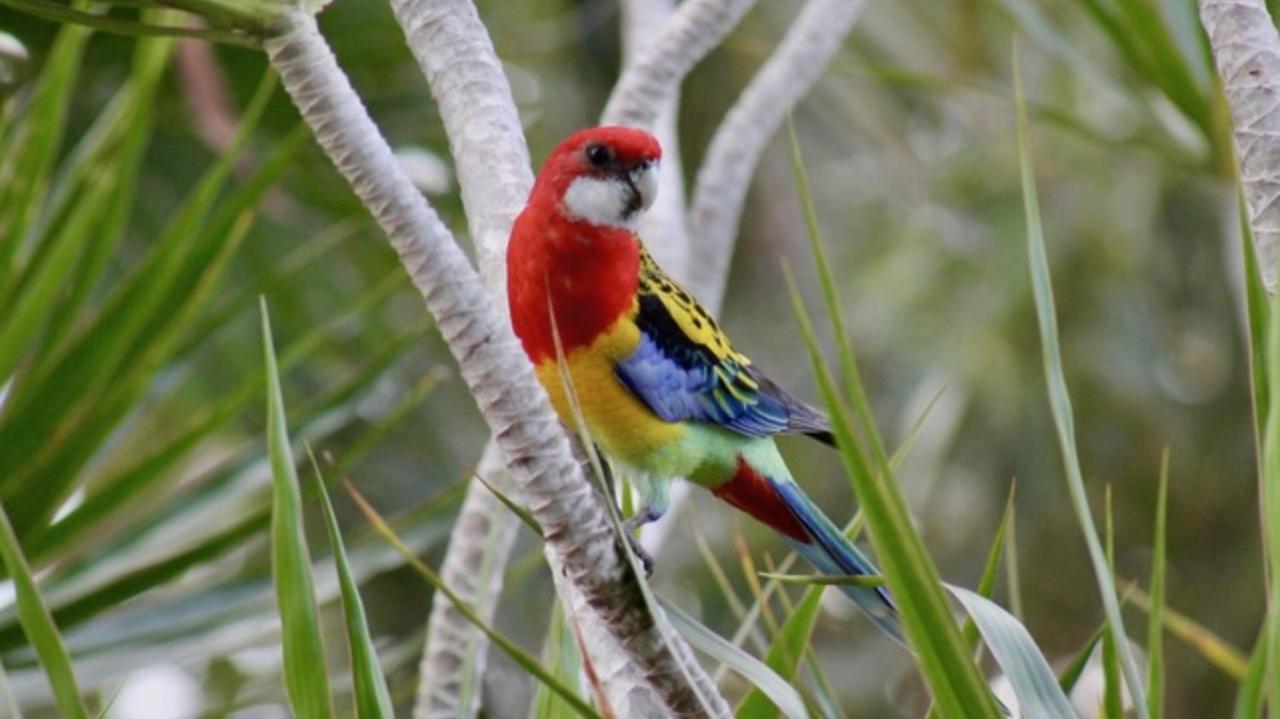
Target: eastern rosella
[{"x": 661, "y": 390}]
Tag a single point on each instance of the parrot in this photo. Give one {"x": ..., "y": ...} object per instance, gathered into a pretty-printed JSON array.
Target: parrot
[{"x": 663, "y": 393}]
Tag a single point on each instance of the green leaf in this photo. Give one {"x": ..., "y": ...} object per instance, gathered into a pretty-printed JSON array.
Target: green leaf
[
  {"x": 957, "y": 686},
  {"x": 784, "y": 656},
  {"x": 29, "y": 155},
  {"x": 1075, "y": 668},
  {"x": 39, "y": 626},
  {"x": 373, "y": 699},
  {"x": 760, "y": 675},
  {"x": 1155, "y": 617},
  {"x": 1060, "y": 399},
  {"x": 560, "y": 655},
  {"x": 1252, "y": 694},
  {"x": 1258, "y": 310},
  {"x": 305, "y": 671},
  {"x": 1014, "y": 650}
]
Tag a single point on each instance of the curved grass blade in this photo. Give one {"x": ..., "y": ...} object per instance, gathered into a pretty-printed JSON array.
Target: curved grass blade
[
  {"x": 305, "y": 671},
  {"x": 1075, "y": 668},
  {"x": 1060, "y": 399},
  {"x": 29, "y": 155},
  {"x": 1251, "y": 697},
  {"x": 373, "y": 699},
  {"x": 39, "y": 626},
  {"x": 954, "y": 680},
  {"x": 560, "y": 654},
  {"x": 760, "y": 675},
  {"x": 1014, "y": 650},
  {"x": 784, "y": 656}
]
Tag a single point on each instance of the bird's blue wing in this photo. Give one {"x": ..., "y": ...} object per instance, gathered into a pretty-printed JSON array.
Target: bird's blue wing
[{"x": 685, "y": 371}]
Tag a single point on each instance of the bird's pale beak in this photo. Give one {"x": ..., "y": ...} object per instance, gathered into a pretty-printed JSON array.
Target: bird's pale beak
[{"x": 644, "y": 178}]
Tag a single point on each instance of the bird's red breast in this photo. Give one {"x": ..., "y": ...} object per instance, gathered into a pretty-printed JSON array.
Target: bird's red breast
[{"x": 588, "y": 272}]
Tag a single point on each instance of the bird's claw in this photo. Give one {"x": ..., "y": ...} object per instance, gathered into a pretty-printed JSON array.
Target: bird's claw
[{"x": 641, "y": 553}]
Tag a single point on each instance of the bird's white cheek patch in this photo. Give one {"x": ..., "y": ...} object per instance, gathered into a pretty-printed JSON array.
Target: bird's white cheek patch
[{"x": 599, "y": 202}]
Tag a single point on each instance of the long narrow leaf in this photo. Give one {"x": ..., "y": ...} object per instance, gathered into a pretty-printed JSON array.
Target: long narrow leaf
[
  {"x": 39, "y": 626},
  {"x": 760, "y": 675},
  {"x": 373, "y": 699},
  {"x": 1155, "y": 618},
  {"x": 784, "y": 656},
  {"x": 305, "y": 671},
  {"x": 1060, "y": 400}
]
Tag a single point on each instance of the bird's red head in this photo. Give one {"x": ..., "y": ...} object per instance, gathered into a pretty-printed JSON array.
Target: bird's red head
[
  {"x": 575, "y": 242},
  {"x": 604, "y": 176}
]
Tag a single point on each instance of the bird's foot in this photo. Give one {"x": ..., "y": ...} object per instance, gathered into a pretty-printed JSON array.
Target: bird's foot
[{"x": 629, "y": 528}]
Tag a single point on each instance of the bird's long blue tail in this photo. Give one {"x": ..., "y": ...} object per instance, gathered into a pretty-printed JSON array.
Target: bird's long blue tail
[{"x": 832, "y": 554}]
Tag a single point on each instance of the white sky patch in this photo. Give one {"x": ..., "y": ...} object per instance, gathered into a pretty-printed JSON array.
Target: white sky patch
[{"x": 599, "y": 202}]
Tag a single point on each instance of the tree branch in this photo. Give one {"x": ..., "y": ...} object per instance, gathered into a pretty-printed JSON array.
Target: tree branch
[
  {"x": 493, "y": 366},
  {"x": 694, "y": 29},
  {"x": 663, "y": 227},
  {"x": 1246, "y": 49},
  {"x": 723, "y": 179}
]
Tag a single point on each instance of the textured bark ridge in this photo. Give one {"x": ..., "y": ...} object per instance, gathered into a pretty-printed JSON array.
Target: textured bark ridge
[
  {"x": 493, "y": 366},
  {"x": 1246, "y": 49}
]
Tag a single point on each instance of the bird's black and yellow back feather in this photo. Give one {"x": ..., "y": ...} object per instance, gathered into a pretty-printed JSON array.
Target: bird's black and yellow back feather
[{"x": 685, "y": 368}]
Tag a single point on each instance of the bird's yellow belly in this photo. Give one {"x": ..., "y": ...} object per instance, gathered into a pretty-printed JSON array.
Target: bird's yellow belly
[{"x": 623, "y": 426}]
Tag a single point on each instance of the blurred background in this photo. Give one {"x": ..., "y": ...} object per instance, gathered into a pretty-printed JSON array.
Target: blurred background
[{"x": 909, "y": 142}]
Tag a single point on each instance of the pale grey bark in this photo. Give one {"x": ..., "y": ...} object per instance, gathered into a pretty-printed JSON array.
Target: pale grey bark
[
  {"x": 664, "y": 227},
  {"x": 492, "y": 163},
  {"x": 495, "y": 369},
  {"x": 721, "y": 187},
  {"x": 1246, "y": 49},
  {"x": 695, "y": 28}
]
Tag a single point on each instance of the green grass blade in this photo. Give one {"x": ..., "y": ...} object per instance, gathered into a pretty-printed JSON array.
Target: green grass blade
[
  {"x": 1251, "y": 696},
  {"x": 38, "y": 625},
  {"x": 29, "y": 157},
  {"x": 522, "y": 658},
  {"x": 854, "y": 390},
  {"x": 761, "y": 676},
  {"x": 1211, "y": 647},
  {"x": 1074, "y": 669},
  {"x": 1034, "y": 683},
  {"x": 1060, "y": 400},
  {"x": 560, "y": 654},
  {"x": 1112, "y": 703},
  {"x": 784, "y": 656},
  {"x": 956, "y": 684},
  {"x": 373, "y": 699},
  {"x": 991, "y": 570},
  {"x": 1155, "y": 617},
  {"x": 305, "y": 671},
  {"x": 1257, "y": 308},
  {"x": 1271, "y": 503}
]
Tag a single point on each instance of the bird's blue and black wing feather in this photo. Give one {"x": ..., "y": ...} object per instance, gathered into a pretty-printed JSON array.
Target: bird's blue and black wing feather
[{"x": 684, "y": 369}]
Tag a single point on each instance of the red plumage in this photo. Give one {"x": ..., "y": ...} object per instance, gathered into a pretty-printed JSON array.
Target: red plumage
[
  {"x": 589, "y": 271},
  {"x": 752, "y": 493}
]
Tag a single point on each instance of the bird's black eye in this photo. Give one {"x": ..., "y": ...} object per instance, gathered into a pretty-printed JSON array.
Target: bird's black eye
[{"x": 599, "y": 155}]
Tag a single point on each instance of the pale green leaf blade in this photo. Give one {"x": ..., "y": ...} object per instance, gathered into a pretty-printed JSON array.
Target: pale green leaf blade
[
  {"x": 38, "y": 624},
  {"x": 306, "y": 673}
]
